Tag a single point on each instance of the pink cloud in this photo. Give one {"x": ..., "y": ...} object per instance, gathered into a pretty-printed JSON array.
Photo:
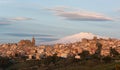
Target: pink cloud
[{"x": 79, "y": 15}]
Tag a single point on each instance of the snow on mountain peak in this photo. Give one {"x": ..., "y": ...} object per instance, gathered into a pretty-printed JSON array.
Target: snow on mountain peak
[{"x": 76, "y": 38}]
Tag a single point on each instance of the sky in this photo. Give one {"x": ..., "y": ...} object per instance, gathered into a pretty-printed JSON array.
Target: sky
[{"x": 49, "y": 20}]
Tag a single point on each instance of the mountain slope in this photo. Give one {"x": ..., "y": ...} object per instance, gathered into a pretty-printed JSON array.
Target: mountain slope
[{"x": 75, "y": 38}]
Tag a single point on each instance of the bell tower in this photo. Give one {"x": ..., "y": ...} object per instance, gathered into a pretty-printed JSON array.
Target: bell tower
[{"x": 33, "y": 41}]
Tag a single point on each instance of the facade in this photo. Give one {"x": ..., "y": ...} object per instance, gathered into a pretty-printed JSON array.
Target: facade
[{"x": 27, "y": 42}]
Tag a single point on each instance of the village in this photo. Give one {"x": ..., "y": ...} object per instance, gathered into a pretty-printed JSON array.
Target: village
[{"x": 28, "y": 49}]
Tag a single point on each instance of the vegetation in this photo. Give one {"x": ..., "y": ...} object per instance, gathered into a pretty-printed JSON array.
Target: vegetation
[{"x": 57, "y": 63}]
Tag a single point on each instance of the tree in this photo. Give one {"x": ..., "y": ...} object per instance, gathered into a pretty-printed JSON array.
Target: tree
[
  {"x": 113, "y": 52},
  {"x": 85, "y": 54},
  {"x": 98, "y": 51}
]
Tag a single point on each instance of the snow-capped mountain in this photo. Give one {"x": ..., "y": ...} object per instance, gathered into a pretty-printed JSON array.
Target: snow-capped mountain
[{"x": 75, "y": 38}]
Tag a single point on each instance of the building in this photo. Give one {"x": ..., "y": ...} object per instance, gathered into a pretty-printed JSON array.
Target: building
[{"x": 27, "y": 42}]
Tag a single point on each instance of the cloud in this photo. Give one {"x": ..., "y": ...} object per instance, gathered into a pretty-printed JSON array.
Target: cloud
[
  {"x": 79, "y": 15},
  {"x": 20, "y": 18},
  {"x": 46, "y": 39},
  {"x": 38, "y": 37},
  {"x": 4, "y": 21},
  {"x": 117, "y": 10},
  {"x": 7, "y": 21},
  {"x": 28, "y": 35}
]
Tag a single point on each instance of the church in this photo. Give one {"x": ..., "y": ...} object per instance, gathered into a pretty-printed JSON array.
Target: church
[{"x": 27, "y": 42}]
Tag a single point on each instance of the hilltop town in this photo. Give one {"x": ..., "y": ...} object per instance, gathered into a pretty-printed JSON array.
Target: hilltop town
[{"x": 28, "y": 49}]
